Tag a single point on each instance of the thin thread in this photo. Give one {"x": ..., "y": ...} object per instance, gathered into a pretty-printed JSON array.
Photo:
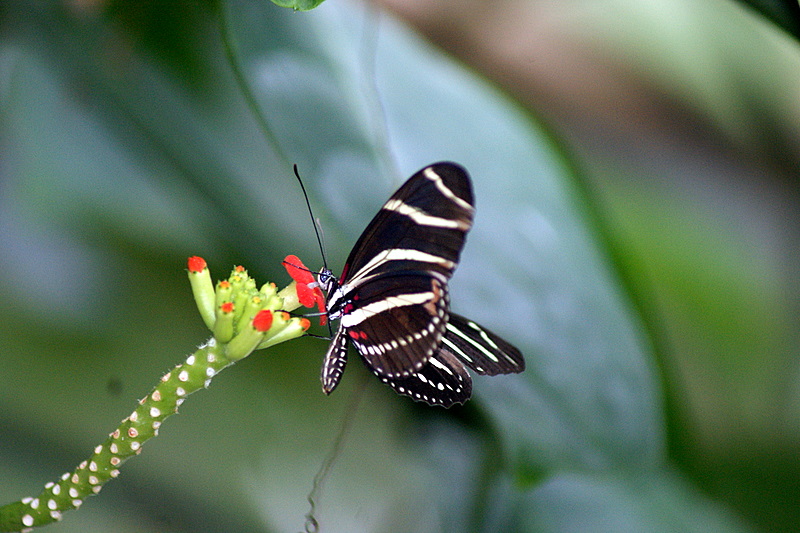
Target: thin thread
[
  {"x": 232, "y": 56},
  {"x": 369, "y": 88},
  {"x": 312, "y": 523}
]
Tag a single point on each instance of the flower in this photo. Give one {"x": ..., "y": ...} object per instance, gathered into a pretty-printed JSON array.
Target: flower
[{"x": 308, "y": 291}]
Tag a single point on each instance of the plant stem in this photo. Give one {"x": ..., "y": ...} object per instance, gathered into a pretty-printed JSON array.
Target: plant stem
[{"x": 122, "y": 443}]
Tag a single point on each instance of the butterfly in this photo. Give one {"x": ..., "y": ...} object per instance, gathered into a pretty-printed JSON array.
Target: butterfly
[{"x": 392, "y": 298}]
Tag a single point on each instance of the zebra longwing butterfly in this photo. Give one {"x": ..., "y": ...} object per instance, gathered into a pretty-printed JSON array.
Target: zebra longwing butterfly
[{"x": 392, "y": 298}]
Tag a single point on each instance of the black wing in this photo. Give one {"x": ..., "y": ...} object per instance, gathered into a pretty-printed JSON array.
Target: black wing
[{"x": 334, "y": 362}]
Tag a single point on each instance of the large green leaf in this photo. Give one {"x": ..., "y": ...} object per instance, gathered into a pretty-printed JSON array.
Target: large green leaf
[{"x": 117, "y": 165}]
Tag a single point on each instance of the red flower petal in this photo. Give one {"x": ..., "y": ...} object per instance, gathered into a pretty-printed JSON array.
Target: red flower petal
[
  {"x": 297, "y": 270},
  {"x": 308, "y": 296},
  {"x": 305, "y": 294},
  {"x": 196, "y": 264},
  {"x": 263, "y": 320}
]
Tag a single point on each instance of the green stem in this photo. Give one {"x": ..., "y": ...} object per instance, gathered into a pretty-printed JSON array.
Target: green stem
[
  {"x": 124, "y": 442},
  {"x": 232, "y": 56}
]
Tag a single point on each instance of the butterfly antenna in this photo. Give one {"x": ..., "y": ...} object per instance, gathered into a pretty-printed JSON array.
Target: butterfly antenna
[
  {"x": 313, "y": 220},
  {"x": 316, "y": 232}
]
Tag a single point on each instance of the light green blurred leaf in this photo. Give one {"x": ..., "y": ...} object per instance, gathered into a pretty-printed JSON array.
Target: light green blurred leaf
[{"x": 137, "y": 168}]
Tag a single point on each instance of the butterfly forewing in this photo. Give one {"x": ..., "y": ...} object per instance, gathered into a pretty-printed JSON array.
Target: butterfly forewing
[
  {"x": 392, "y": 296},
  {"x": 422, "y": 227}
]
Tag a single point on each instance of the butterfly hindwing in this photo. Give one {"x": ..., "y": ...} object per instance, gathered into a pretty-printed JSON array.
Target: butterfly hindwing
[
  {"x": 442, "y": 381},
  {"x": 334, "y": 362},
  {"x": 480, "y": 349}
]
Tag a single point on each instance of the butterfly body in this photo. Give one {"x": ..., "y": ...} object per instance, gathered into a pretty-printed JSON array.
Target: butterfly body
[{"x": 392, "y": 298}]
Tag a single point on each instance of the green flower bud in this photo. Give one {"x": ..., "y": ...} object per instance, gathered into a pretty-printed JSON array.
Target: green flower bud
[{"x": 203, "y": 290}]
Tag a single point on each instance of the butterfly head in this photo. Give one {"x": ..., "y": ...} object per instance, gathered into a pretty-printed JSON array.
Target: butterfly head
[{"x": 326, "y": 280}]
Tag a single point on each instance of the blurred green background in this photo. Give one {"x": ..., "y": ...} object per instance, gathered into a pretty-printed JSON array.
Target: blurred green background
[{"x": 635, "y": 168}]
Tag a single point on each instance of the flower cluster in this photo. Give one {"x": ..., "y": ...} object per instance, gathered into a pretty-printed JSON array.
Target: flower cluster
[
  {"x": 245, "y": 317},
  {"x": 242, "y": 318}
]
